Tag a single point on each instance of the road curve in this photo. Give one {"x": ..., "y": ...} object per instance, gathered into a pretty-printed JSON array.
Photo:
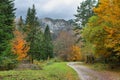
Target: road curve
[{"x": 86, "y": 73}]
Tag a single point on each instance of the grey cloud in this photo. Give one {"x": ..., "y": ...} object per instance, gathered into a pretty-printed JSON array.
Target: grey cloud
[{"x": 62, "y": 12}]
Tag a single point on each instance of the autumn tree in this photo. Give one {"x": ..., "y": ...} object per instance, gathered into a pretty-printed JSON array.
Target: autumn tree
[
  {"x": 19, "y": 45},
  {"x": 108, "y": 12},
  {"x": 94, "y": 39},
  {"x": 102, "y": 31},
  {"x": 63, "y": 44},
  {"x": 75, "y": 54}
]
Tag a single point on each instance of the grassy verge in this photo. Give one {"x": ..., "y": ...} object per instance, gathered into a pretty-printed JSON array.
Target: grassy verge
[
  {"x": 50, "y": 71},
  {"x": 102, "y": 67},
  {"x": 97, "y": 66}
]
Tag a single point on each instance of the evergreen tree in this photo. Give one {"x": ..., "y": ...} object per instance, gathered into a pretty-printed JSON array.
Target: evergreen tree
[
  {"x": 84, "y": 12},
  {"x": 6, "y": 25},
  {"x": 28, "y": 16},
  {"x": 39, "y": 43},
  {"x": 31, "y": 29},
  {"x": 20, "y": 25},
  {"x": 48, "y": 46}
]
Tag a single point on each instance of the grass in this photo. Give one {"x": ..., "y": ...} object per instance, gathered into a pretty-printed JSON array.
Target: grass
[
  {"x": 50, "y": 71},
  {"x": 97, "y": 66},
  {"x": 102, "y": 67},
  {"x": 105, "y": 70}
]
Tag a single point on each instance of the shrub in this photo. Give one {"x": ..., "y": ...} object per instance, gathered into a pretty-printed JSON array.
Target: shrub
[{"x": 7, "y": 63}]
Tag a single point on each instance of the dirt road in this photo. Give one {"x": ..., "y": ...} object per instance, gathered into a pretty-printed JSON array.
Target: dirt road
[{"x": 86, "y": 73}]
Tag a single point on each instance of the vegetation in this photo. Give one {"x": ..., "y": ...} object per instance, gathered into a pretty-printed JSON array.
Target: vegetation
[
  {"x": 84, "y": 12},
  {"x": 111, "y": 27},
  {"x": 19, "y": 45},
  {"x": 65, "y": 47},
  {"x": 48, "y": 45},
  {"x": 6, "y": 26},
  {"x": 100, "y": 35},
  {"x": 97, "y": 28},
  {"x": 51, "y": 71},
  {"x": 31, "y": 29}
]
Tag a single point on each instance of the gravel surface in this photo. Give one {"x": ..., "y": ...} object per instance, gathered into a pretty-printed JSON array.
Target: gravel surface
[{"x": 85, "y": 73}]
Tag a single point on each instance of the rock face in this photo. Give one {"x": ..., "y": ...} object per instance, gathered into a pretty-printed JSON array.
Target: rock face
[{"x": 56, "y": 25}]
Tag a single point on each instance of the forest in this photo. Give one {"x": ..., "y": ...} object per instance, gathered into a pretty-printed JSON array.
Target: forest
[{"x": 93, "y": 39}]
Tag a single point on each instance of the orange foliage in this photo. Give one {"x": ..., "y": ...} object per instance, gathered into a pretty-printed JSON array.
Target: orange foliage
[
  {"x": 75, "y": 54},
  {"x": 19, "y": 45}
]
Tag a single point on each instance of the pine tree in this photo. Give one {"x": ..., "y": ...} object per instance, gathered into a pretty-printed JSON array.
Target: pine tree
[
  {"x": 48, "y": 46},
  {"x": 31, "y": 29},
  {"x": 6, "y": 25},
  {"x": 20, "y": 25},
  {"x": 84, "y": 12},
  {"x": 28, "y": 16}
]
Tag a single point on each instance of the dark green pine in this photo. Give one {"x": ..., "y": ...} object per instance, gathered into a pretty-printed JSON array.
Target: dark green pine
[
  {"x": 48, "y": 46},
  {"x": 6, "y": 25}
]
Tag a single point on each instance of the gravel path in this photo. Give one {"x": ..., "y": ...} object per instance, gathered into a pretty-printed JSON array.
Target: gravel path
[{"x": 86, "y": 73}]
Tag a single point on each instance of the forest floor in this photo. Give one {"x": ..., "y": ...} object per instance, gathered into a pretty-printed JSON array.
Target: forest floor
[{"x": 86, "y": 73}]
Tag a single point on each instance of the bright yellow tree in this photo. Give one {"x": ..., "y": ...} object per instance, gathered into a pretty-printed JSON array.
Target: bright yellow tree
[
  {"x": 108, "y": 12},
  {"x": 19, "y": 45}
]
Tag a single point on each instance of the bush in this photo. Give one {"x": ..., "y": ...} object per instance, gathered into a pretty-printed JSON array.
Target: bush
[{"x": 7, "y": 63}]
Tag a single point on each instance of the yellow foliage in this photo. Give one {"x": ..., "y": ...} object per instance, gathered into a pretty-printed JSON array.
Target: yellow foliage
[
  {"x": 109, "y": 12},
  {"x": 19, "y": 45},
  {"x": 75, "y": 54}
]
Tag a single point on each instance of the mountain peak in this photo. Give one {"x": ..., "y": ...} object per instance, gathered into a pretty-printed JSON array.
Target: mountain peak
[{"x": 56, "y": 25}]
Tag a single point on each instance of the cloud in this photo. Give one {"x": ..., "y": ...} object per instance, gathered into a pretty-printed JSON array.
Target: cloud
[
  {"x": 48, "y": 8},
  {"x": 53, "y": 4}
]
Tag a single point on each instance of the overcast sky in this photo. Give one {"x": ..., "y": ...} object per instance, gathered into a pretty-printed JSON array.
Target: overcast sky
[{"x": 58, "y": 9}]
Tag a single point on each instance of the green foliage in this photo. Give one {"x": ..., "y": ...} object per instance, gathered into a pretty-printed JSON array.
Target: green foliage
[
  {"x": 6, "y": 26},
  {"x": 7, "y": 63},
  {"x": 47, "y": 46},
  {"x": 55, "y": 71},
  {"x": 84, "y": 12},
  {"x": 94, "y": 38},
  {"x": 33, "y": 32},
  {"x": 6, "y": 21},
  {"x": 20, "y": 25},
  {"x": 95, "y": 35},
  {"x": 39, "y": 46}
]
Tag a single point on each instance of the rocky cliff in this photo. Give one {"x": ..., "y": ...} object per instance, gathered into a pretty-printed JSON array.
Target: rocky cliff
[{"x": 56, "y": 25}]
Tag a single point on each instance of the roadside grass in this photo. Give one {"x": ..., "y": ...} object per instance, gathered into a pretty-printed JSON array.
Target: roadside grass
[
  {"x": 105, "y": 69},
  {"x": 97, "y": 66},
  {"x": 102, "y": 67},
  {"x": 50, "y": 71}
]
